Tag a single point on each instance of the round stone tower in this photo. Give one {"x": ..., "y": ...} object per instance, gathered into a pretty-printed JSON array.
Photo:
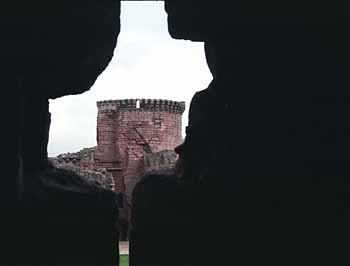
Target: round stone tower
[{"x": 128, "y": 129}]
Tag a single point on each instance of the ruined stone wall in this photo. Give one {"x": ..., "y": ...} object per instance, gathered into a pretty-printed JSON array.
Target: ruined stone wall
[
  {"x": 159, "y": 162},
  {"x": 83, "y": 159},
  {"x": 129, "y": 129},
  {"x": 83, "y": 164}
]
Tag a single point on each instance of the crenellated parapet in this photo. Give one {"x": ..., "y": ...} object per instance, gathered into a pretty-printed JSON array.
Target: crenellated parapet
[
  {"x": 154, "y": 105},
  {"x": 162, "y": 105}
]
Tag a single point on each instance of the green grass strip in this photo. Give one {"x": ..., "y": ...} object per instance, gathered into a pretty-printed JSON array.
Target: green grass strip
[{"x": 124, "y": 260}]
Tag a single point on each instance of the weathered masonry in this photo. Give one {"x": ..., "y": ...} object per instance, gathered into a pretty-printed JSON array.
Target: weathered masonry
[{"x": 129, "y": 129}]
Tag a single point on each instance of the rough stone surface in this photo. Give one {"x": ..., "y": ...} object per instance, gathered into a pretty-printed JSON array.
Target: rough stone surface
[
  {"x": 160, "y": 161},
  {"x": 162, "y": 212},
  {"x": 83, "y": 164},
  {"x": 39, "y": 39},
  {"x": 49, "y": 50},
  {"x": 70, "y": 220},
  {"x": 127, "y": 130},
  {"x": 201, "y": 20},
  {"x": 266, "y": 146}
]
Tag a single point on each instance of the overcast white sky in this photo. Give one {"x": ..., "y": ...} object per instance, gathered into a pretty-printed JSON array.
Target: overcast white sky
[{"x": 146, "y": 64}]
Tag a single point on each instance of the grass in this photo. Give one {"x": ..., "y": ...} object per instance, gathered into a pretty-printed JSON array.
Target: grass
[{"x": 124, "y": 260}]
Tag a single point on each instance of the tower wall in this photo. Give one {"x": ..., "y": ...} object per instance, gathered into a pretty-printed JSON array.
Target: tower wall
[
  {"x": 106, "y": 154},
  {"x": 127, "y": 129}
]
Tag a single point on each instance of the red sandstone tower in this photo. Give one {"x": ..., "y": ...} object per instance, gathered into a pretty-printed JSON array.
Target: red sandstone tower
[{"x": 127, "y": 129}]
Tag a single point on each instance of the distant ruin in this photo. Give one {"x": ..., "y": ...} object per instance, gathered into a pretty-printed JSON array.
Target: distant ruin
[
  {"x": 133, "y": 137},
  {"x": 127, "y": 130}
]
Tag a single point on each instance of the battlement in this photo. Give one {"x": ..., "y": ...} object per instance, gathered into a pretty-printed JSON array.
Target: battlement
[{"x": 154, "y": 105}]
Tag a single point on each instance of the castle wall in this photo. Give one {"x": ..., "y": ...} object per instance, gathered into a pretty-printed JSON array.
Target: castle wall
[
  {"x": 83, "y": 164},
  {"x": 129, "y": 129}
]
